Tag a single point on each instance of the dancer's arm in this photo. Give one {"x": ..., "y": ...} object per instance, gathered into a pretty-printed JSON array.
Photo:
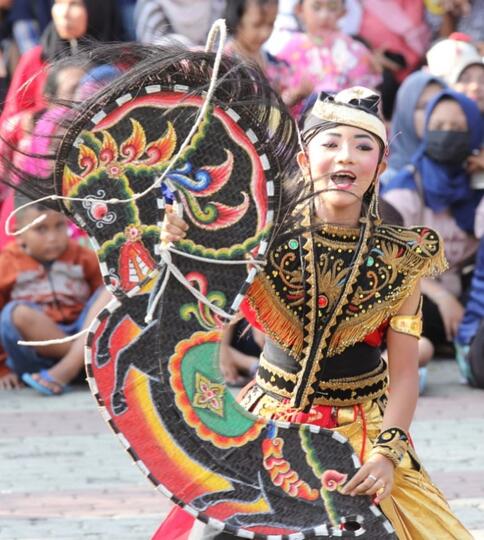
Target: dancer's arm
[
  {"x": 403, "y": 370},
  {"x": 376, "y": 476}
]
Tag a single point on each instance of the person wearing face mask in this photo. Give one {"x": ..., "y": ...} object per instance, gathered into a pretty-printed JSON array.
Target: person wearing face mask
[
  {"x": 74, "y": 22},
  {"x": 435, "y": 191},
  {"x": 408, "y": 119}
]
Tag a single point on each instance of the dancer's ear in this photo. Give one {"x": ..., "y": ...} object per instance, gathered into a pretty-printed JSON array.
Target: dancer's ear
[
  {"x": 382, "y": 167},
  {"x": 303, "y": 162}
]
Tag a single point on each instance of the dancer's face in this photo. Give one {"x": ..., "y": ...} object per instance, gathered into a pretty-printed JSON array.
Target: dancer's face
[
  {"x": 344, "y": 160},
  {"x": 70, "y": 18}
]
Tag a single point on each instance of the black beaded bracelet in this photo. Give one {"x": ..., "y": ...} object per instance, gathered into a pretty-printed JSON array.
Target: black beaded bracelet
[{"x": 391, "y": 443}]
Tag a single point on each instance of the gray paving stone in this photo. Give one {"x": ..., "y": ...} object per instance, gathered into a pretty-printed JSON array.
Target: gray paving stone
[
  {"x": 132, "y": 528},
  {"x": 469, "y": 511},
  {"x": 450, "y": 444},
  {"x": 62, "y": 466}
]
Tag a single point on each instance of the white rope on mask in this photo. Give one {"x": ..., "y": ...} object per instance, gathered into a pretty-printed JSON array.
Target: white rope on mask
[
  {"x": 218, "y": 30},
  {"x": 254, "y": 262},
  {"x": 172, "y": 269},
  {"x": 58, "y": 341}
]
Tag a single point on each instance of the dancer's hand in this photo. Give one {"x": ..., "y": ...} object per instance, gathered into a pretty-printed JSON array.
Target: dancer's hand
[
  {"x": 174, "y": 227},
  {"x": 374, "y": 478}
]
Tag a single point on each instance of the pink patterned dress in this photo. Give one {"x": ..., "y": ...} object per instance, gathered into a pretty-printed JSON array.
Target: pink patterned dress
[{"x": 332, "y": 63}]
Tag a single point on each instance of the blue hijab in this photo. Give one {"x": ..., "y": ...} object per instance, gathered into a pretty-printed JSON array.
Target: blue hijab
[
  {"x": 445, "y": 186},
  {"x": 404, "y": 140}
]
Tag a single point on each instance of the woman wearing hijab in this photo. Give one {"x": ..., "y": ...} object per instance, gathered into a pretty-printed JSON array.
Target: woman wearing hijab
[
  {"x": 408, "y": 119},
  {"x": 73, "y": 23},
  {"x": 435, "y": 191}
]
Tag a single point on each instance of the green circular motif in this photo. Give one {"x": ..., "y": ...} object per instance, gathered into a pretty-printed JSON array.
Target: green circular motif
[
  {"x": 200, "y": 365},
  {"x": 370, "y": 261},
  {"x": 293, "y": 244}
]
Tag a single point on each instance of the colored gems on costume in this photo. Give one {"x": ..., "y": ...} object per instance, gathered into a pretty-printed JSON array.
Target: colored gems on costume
[
  {"x": 395, "y": 258},
  {"x": 157, "y": 380}
]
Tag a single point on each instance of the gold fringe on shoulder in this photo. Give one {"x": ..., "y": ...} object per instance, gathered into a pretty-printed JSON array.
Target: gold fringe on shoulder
[
  {"x": 437, "y": 264},
  {"x": 425, "y": 259},
  {"x": 278, "y": 321}
]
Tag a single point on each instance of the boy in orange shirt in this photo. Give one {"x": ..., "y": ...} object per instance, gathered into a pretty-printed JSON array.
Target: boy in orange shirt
[{"x": 50, "y": 287}]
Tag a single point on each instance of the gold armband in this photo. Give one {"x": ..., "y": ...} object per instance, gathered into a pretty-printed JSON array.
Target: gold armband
[
  {"x": 408, "y": 324},
  {"x": 391, "y": 443}
]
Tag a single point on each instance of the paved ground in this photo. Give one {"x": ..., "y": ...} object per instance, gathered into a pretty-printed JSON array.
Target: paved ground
[{"x": 63, "y": 475}]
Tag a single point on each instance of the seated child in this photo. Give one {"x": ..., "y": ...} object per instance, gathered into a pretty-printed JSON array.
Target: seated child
[
  {"x": 50, "y": 287},
  {"x": 250, "y": 23},
  {"x": 323, "y": 57}
]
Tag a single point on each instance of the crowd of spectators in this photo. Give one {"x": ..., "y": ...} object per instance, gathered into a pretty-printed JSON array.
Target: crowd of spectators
[{"x": 424, "y": 57}]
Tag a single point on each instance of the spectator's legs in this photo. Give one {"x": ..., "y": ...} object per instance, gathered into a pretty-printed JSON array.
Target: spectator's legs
[
  {"x": 476, "y": 357},
  {"x": 433, "y": 326},
  {"x": 425, "y": 351},
  {"x": 25, "y": 321},
  {"x": 72, "y": 361}
]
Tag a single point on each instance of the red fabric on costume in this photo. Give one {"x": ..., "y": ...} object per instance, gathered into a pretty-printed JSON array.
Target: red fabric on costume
[
  {"x": 250, "y": 315},
  {"x": 376, "y": 337}
]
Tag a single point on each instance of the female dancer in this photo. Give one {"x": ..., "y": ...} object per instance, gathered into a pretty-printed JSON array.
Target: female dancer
[{"x": 337, "y": 280}]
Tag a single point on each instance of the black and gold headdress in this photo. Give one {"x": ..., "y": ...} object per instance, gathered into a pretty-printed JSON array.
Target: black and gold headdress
[{"x": 357, "y": 106}]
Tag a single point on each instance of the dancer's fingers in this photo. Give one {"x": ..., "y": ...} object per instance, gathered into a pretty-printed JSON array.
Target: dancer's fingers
[
  {"x": 383, "y": 493},
  {"x": 365, "y": 486},
  {"x": 171, "y": 218},
  {"x": 376, "y": 487},
  {"x": 359, "y": 477}
]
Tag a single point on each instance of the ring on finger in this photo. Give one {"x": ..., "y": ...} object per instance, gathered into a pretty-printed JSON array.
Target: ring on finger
[
  {"x": 373, "y": 477},
  {"x": 380, "y": 484}
]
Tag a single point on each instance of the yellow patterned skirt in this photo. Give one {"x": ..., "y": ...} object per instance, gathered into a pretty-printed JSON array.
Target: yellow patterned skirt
[{"x": 416, "y": 508}]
